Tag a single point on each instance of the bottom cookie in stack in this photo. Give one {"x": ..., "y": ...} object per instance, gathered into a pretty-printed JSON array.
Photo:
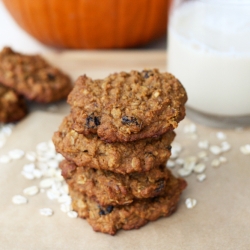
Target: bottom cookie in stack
[{"x": 110, "y": 218}]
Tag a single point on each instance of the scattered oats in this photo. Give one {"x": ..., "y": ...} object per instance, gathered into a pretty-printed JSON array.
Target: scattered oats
[
  {"x": 46, "y": 211},
  {"x": 179, "y": 161},
  {"x": 37, "y": 173},
  {"x": 203, "y": 144},
  {"x": 19, "y": 199},
  {"x": 176, "y": 147},
  {"x": 184, "y": 172},
  {"x": 201, "y": 177},
  {"x": 42, "y": 165},
  {"x": 222, "y": 159},
  {"x": 30, "y": 167},
  {"x": 42, "y": 158},
  {"x": 42, "y": 147},
  {"x": 16, "y": 154},
  {"x": 174, "y": 155},
  {"x": 215, "y": 163},
  {"x": 52, "y": 108},
  {"x": 245, "y": 149},
  {"x": 216, "y": 150},
  {"x": 221, "y": 136},
  {"x": 46, "y": 183},
  {"x": 53, "y": 163},
  {"x": 199, "y": 168},
  {"x": 66, "y": 199},
  {"x": 190, "y": 203},
  {"x": 27, "y": 175},
  {"x": 190, "y": 128},
  {"x": 31, "y": 190},
  {"x": 7, "y": 129},
  {"x": 5, "y": 159},
  {"x": 190, "y": 162},
  {"x": 49, "y": 172},
  {"x": 52, "y": 194},
  {"x": 51, "y": 144},
  {"x": 170, "y": 164},
  {"x": 49, "y": 154},
  {"x": 31, "y": 156},
  {"x": 72, "y": 214},
  {"x": 2, "y": 140},
  {"x": 202, "y": 154},
  {"x": 59, "y": 157},
  {"x": 225, "y": 146},
  {"x": 65, "y": 208},
  {"x": 65, "y": 188}
]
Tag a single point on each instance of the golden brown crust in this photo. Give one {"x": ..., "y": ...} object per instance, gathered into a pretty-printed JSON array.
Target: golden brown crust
[
  {"x": 109, "y": 219},
  {"x": 90, "y": 151},
  {"x": 12, "y": 106},
  {"x": 33, "y": 77},
  {"x": 108, "y": 188},
  {"x": 127, "y": 106}
]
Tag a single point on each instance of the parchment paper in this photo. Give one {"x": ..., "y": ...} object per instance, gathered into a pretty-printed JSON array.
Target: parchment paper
[{"x": 220, "y": 220}]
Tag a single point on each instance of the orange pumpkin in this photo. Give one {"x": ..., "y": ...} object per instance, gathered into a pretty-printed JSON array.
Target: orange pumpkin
[{"x": 91, "y": 24}]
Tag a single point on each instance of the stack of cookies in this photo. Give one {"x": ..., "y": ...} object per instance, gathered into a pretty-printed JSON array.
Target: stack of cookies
[{"x": 116, "y": 142}]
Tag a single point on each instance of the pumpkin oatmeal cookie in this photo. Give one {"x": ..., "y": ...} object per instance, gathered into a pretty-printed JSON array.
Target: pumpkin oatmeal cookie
[
  {"x": 33, "y": 77},
  {"x": 109, "y": 219},
  {"x": 89, "y": 151},
  {"x": 127, "y": 106},
  {"x": 108, "y": 188},
  {"x": 12, "y": 106}
]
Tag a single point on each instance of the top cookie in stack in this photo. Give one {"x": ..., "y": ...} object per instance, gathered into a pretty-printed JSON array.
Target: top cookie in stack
[
  {"x": 117, "y": 140},
  {"x": 127, "y": 106}
]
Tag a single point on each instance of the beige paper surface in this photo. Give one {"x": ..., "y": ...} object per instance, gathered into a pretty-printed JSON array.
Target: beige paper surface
[{"x": 220, "y": 220}]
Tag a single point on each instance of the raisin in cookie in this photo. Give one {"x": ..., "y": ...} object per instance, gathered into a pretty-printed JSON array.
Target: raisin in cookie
[
  {"x": 33, "y": 77},
  {"x": 110, "y": 218},
  {"x": 127, "y": 106},
  {"x": 109, "y": 188},
  {"x": 90, "y": 151},
  {"x": 12, "y": 106}
]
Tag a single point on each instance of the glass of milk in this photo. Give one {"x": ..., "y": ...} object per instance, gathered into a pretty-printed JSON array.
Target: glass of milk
[{"x": 208, "y": 50}]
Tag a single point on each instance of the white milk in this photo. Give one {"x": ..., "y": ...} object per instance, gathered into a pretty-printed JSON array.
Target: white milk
[{"x": 209, "y": 52}]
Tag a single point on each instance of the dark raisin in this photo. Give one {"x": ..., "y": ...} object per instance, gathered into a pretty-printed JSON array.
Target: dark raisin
[
  {"x": 109, "y": 209},
  {"x": 169, "y": 147},
  {"x": 92, "y": 121},
  {"x": 130, "y": 120},
  {"x": 160, "y": 186},
  {"x": 51, "y": 77},
  {"x": 146, "y": 74},
  {"x": 105, "y": 210},
  {"x": 101, "y": 212}
]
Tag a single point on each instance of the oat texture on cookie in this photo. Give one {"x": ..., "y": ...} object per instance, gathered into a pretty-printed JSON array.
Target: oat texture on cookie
[{"x": 116, "y": 142}]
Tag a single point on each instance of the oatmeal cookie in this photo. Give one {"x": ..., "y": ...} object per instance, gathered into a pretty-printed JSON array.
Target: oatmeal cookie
[
  {"x": 90, "y": 151},
  {"x": 12, "y": 106},
  {"x": 110, "y": 218},
  {"x": 33, "y": 77},
  {"x": 108, "y": 188},
  {"x": 127, "y": 106}
]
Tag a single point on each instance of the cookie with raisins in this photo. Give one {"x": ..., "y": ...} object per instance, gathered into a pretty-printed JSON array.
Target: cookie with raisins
[
  {"x": 33, "y": 77},
  {"x": 127, "y": 106},
  {"x": 109, "y": 219},
  {"x": 89, "y": 151},
  {"x": 12, "y": 105},
  {"x": 109, "y": 188}
]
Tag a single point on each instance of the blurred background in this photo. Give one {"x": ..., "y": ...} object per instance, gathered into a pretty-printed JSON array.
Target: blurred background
[{"x": 31, "y": 38}]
